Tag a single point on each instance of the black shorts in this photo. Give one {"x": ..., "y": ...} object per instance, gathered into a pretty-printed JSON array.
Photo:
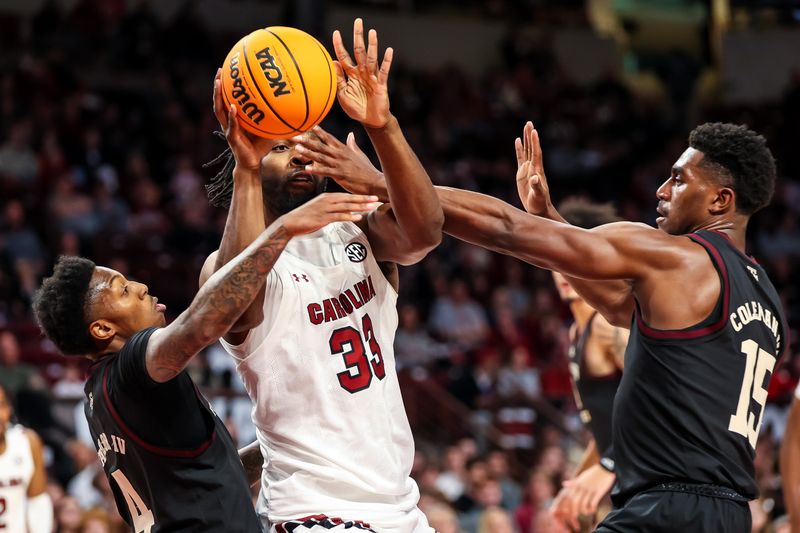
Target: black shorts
[{"x": 678, "y": 507}]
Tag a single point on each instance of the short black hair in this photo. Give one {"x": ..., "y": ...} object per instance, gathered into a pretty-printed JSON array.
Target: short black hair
[
  {"x": 585, "y": 214},
  {"x": 743, "y": 160},
  {"x": 60, "y": 305},
  {"x": 220, "y": 190}
]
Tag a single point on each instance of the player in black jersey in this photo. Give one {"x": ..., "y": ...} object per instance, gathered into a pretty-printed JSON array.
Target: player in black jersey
[
  {"x": 170, "y": 461},
  {"x": 706, "y": 322},
  {"x": 596, "y": 354}
]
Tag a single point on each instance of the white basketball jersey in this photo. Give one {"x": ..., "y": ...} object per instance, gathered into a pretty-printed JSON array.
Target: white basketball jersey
[
  {"x": 320, "y": 371},
  {"x": 16, "y": 471}
]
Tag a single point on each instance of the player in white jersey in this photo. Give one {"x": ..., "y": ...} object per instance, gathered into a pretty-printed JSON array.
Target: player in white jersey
[
  {"x": 790, "y": 462},
  {"x": 24, "y": 505},
  {"x": 315, "y": 351}
]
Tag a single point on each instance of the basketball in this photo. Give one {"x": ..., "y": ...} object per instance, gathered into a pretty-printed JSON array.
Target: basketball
[{"x": 282, "y": 81}]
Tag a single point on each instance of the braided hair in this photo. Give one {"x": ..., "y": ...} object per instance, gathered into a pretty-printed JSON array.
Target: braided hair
[{"x": 220, "y": 190}]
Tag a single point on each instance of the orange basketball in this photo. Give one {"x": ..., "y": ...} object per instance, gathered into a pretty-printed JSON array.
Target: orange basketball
[{"x": 282, "y": 82}]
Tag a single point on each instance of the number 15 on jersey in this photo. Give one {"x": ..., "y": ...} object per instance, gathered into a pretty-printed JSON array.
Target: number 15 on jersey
[{"x": 758, "y": 363}]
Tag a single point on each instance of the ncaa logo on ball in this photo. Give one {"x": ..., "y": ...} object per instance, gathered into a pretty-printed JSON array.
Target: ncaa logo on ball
[{"x": 356, "y": 252}]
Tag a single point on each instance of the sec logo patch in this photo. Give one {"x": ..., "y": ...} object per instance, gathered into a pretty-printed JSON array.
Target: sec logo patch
[{"x": 356, "y": 252}]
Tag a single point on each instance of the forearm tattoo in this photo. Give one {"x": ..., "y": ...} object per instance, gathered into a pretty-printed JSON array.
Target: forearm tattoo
[{"x": 221, "y": 301}]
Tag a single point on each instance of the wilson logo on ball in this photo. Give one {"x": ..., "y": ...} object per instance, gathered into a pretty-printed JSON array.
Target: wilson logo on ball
[
  {"x": 282, "y": 81},
  {"x": 272, "y": 72},
  {"x": 239, "y": 92}
]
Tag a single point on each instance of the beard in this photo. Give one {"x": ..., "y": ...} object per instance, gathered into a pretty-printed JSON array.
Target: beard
[{"x": 280, "y": 200}]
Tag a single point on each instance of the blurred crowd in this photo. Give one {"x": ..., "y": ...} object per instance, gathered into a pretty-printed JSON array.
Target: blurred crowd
[{"x": 106, "y": 121}]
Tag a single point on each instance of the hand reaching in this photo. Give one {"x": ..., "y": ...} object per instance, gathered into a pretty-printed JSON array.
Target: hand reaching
[
  {"x": 531, "y": 182},
  {"x": 245, "y": 154},
  {"x": 327, "y": 208},
  {"x": 582, "y": 495},
  {"x": 347, "y": 164},
  {"x": 361, "y": 85}
]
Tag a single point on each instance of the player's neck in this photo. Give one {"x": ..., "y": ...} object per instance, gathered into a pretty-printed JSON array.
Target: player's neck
[
  {"x": 581, "y": 312},
  {"x": 2, "y": 443},
  {"x": 734, "y": 227}
]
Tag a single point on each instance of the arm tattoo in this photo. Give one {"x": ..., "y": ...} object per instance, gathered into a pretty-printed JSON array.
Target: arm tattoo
[{"x": 220, "y": 302}]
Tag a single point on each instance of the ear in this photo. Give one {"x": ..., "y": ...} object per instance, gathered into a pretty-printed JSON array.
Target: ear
[
  {"x": 723, "y": 202},
  {"x": 102, "y": 330}
]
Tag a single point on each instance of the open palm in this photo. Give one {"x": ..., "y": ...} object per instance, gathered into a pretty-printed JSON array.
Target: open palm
[
  {"x": 361, "y": 85},
  {"x": 531, "y": 182}
]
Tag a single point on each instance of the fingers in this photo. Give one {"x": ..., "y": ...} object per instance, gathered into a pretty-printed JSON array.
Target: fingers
[
  {"x": 219, "y": 105},
  {"x": 527, "y": 140},
  {"x": 386, "y": 65},
  {"x": 518, "y": 150},
  {"x": 341, "y": 201},
  {"x": 341, "y": 78},
  {"x": 567, "y": 511},
  {"x": 341, "y": 51},
  {"x": 359, "y": 50},
  {"x": 372, "y": 52},
  {"x": 233, "y": 125},
  {"x": 351, "y": 143},
  {"x": 537, "y": 151}
]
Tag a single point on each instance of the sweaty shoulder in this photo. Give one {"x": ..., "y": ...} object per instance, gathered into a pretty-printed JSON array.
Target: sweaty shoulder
[
  {"x": 651, "y": 246},
  {"x": 208, "y": 267}
]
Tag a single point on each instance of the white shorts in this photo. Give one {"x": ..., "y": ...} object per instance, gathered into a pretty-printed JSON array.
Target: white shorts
[{"x": 321, "y": 523}]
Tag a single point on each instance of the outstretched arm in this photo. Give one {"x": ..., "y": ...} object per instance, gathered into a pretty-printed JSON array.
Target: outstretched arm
[
  {"x": 790, "y": 463},
  {"x": 412, "y": 226},
  {"x": 245, "y": 220},
  {"x": 232, "y": 288},
  {"x": 622, "y": 250},
  {"x": 612, "y": 298}
]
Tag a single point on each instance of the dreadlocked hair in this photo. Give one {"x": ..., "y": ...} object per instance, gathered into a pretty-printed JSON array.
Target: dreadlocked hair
[{"x": 220, "y": 190}]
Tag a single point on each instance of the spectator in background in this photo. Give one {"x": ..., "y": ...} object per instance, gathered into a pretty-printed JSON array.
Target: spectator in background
[
  {"x": 497, "y": 461},
  {"x": 518, "y": 380},
  {"x": 15, "y": 376},
  {"x": 21, "y": 244},
  {"x": 68, "y": 515},
  {"x": 457, "y": 318},
  {"x": 452, "y": 479},
  {"x": 18, "y": 163},
  {"x": 495, "y": 520},
  {"x": 413, "y": 346}
]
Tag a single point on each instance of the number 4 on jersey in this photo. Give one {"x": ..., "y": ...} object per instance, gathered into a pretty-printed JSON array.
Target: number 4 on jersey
[
  {"x": 141, "y": 516},
  {"x": 758, "y": 363}
]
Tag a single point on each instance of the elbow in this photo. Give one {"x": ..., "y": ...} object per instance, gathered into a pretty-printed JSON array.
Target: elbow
[
  {"x": 420, "y": 244},
  {"x": 430, "y": 235}
]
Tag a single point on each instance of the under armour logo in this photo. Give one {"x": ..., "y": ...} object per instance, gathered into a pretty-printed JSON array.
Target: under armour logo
[
  {"x": 753, "y": 271},
  {"x": 301, "y": 276},
  {"x": 356, "y": 252}
]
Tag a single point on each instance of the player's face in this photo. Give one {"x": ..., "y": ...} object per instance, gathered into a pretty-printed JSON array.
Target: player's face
[
  {"x": 5, "y": 412},
  {"x": 126, "y": 305},
  {"x": 286, "y": 184},
  {"x": 683, "y": 199},
  {"x": 565, "y": 290}
]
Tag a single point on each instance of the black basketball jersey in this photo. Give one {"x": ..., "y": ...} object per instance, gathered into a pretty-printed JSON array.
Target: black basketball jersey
[
  {"x": 163, "y": 489},
  {"x": 690, "y": 403},
  {"x": 593, "y": 394}
]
